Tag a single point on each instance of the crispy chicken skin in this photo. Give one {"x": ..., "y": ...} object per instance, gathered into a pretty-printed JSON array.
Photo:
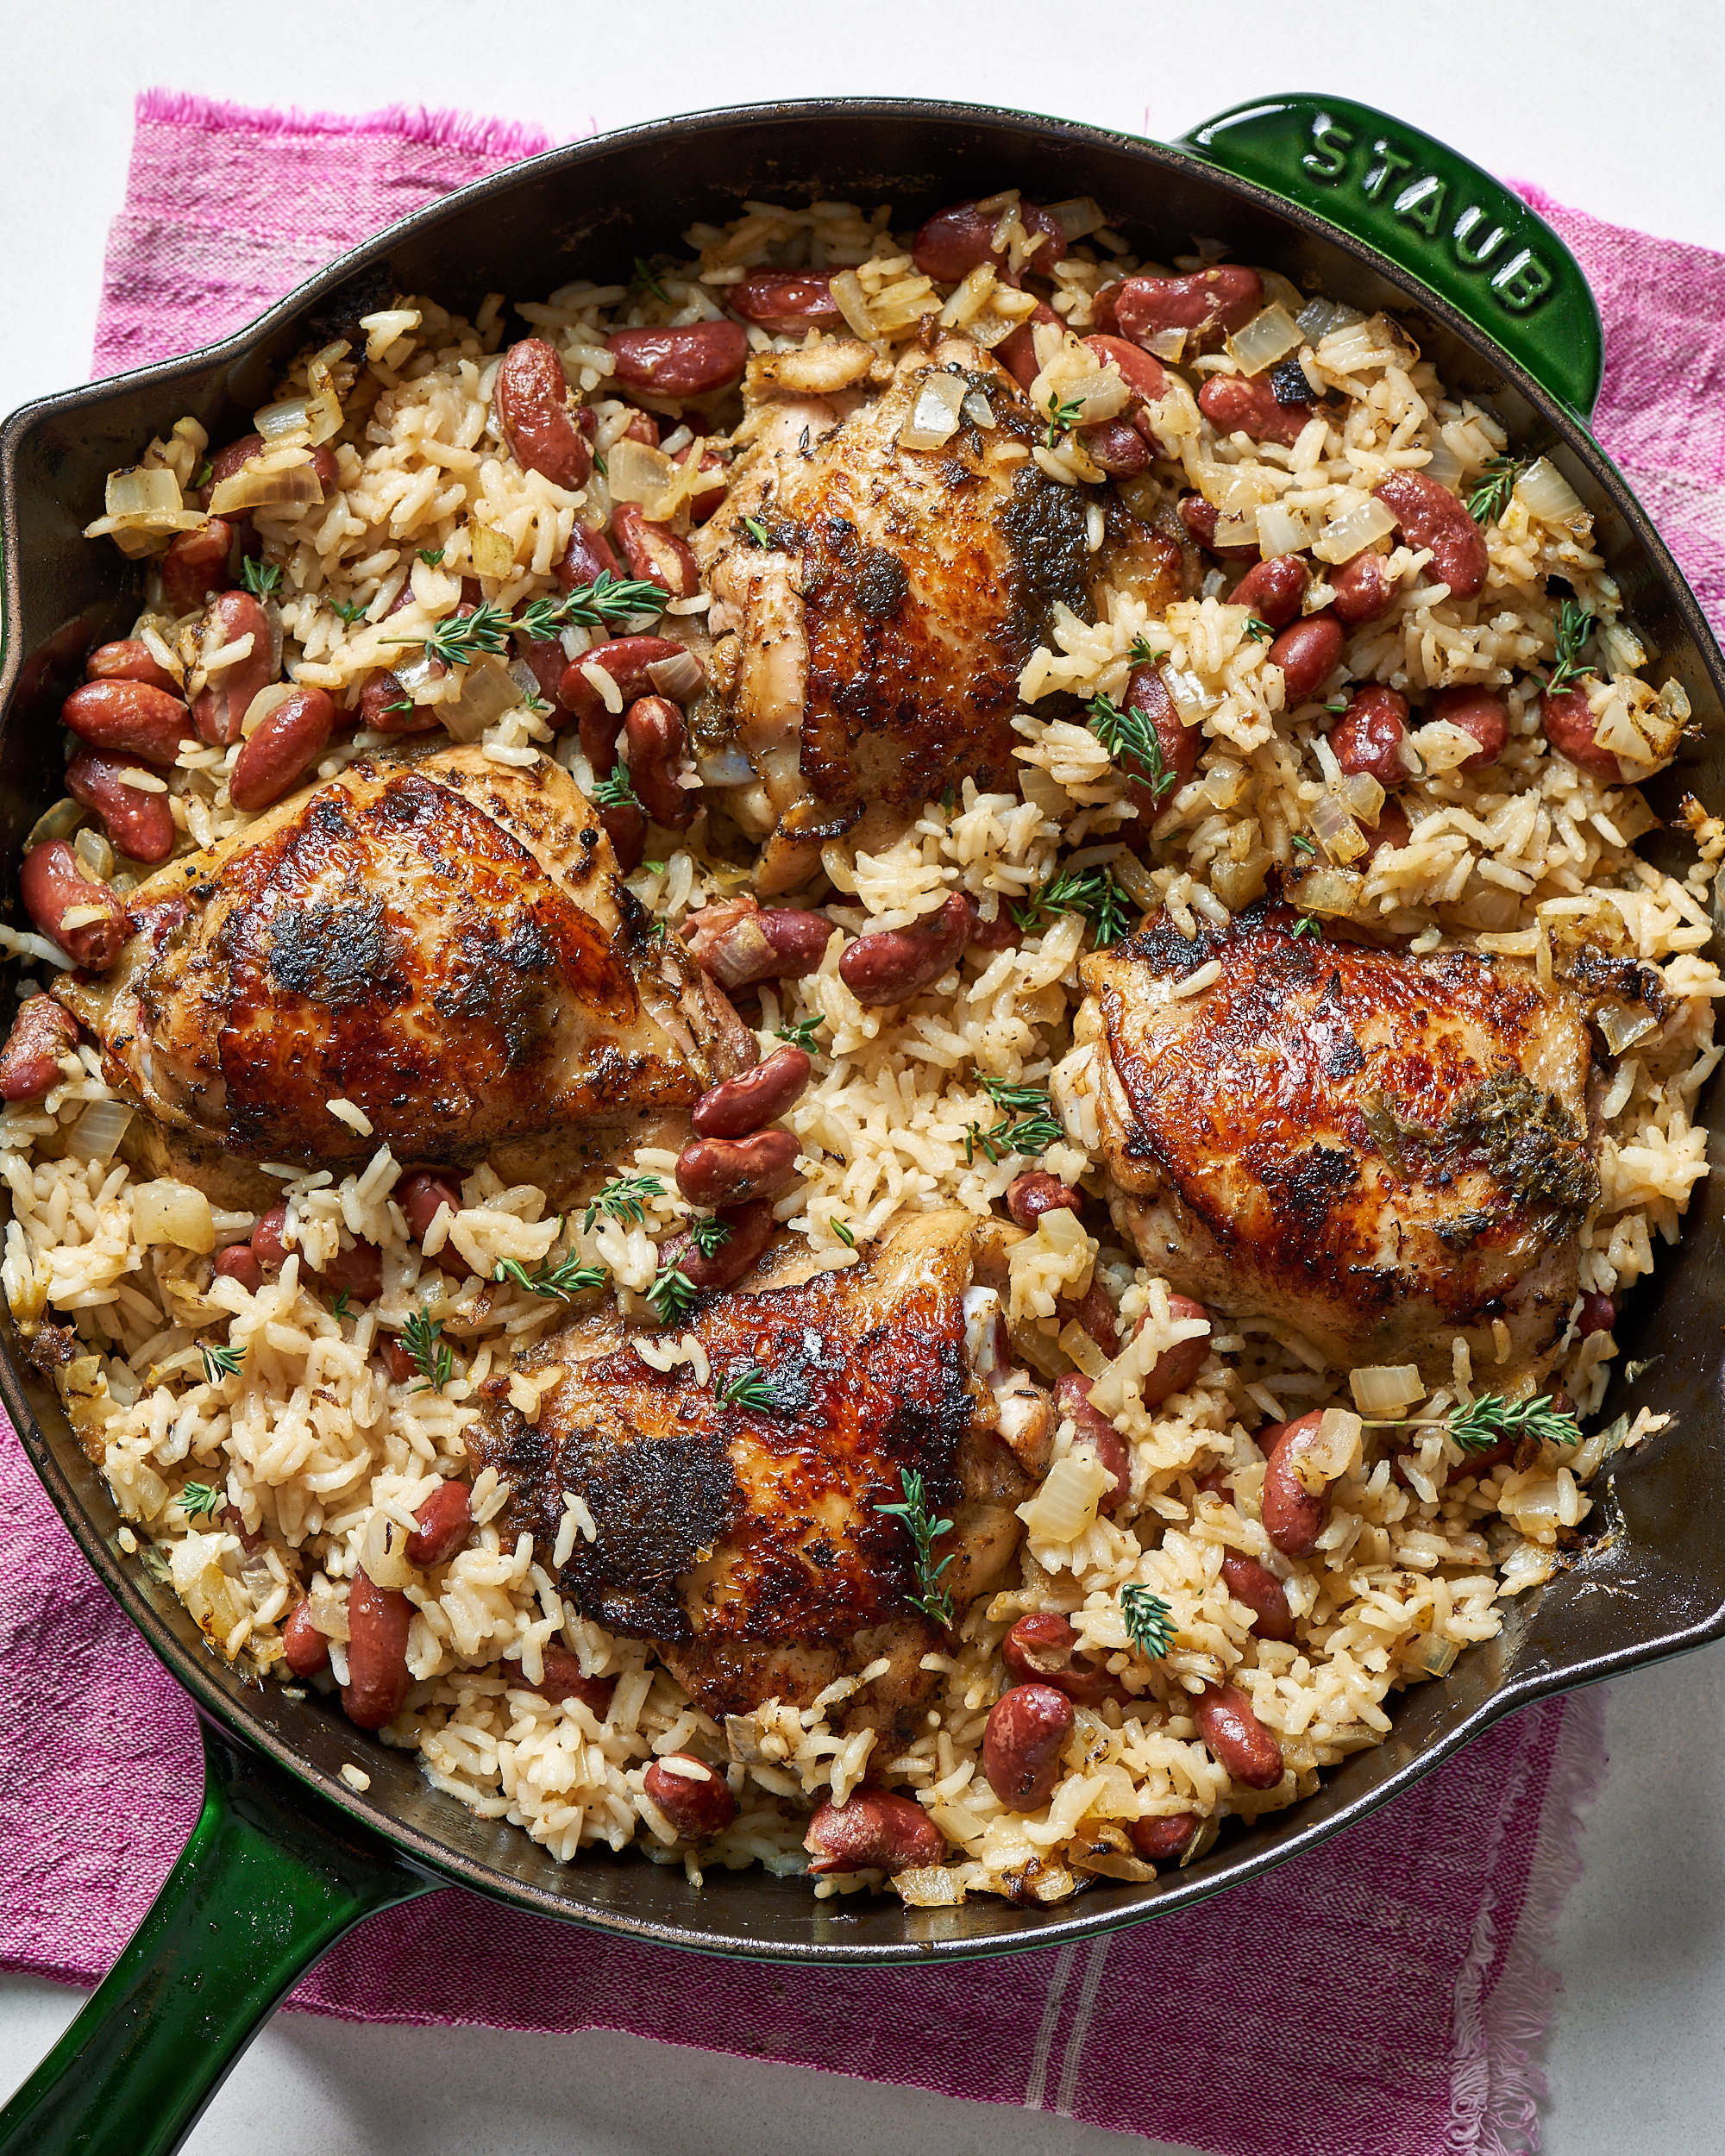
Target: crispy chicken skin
[
  {"x": 748, "y": 1545},
  {"x": 446, "y": 944},
  {"x": 867, "y": 655},
  {"x": 1382, "y": 1151}
]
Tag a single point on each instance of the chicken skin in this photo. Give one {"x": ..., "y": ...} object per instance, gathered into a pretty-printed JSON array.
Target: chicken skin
[
  {"x": 1382, "y": 1150},
  {"x": 748, "y": 1539},
  {"x": 874, "y": 604},
  {"x": 444, "y": 942}
]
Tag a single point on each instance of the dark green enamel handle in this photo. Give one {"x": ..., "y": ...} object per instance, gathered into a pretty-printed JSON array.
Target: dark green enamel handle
[
  {"x": 272, "y": 1877},
  {"x": 1435, "y": 214}
]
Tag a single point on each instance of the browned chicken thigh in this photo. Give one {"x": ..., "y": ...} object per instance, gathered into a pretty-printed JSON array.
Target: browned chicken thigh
[
  {"x": 748, "y": 1539},
  {"x": 1382, "y": 1150},
  {"x": 875, "y": 603},
  {"x": 446, "y": 944}
]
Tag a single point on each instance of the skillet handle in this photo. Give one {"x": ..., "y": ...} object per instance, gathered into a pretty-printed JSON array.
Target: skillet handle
[
  {"x": 271, "y": 1878},
  {"x": 1435, "y": 214}
]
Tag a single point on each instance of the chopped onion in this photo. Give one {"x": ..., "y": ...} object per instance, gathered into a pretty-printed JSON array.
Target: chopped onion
[
  {"x": 635, "y": 473},
  {"x": 1488, "y": 907},
  {"x": 1065, "y": 1507},
  {"x": 1640, "y": 726},
  {"x": 1333, "y": 892},
  {"x": 1544, "y": 493},
  {"x": 1334, "y": 828},
  {"x": 977, "y": 411},
  {"x": 1353, "y": 530},
  {"x": 1136, "y": 881},
  {"x": 1441, "y": 746},
  {"x": 679, "y": 677},
  {"x": 1237, "y": 883},
  {"x": 487, "y": 693},
  {"x": 1445, "y": 467},
  {"x": 263, "y": 703},
  {"x": 254, "y": 487},
  {"x": 169, "y": 1211},
  {"x": 929, "y": 1886},
  {"x": 1283, "y": 530},
  {"x": 143, "y": 491},
  {"x": 94, "y": 855},
  {"x": 1078, "y": 218},
  {"x": 1622, "y": 1027},
  {"x": 59, "y": 822},
  {"x": 384, "y": 1552},
  {"x": 1332, "y": 1451},
  {"x": 1269, "y": 335},
  {"x": 1082, "y": 1351},
  {"x": 728, "y": 767},
  {"x": 1232, "y": 492},
  {"x": 852, "y": 302},
  {"x": 97, "y": 1134},
  {"x": 1436, "y": 1657},
  {"x": 491, "y": 551},
  {"x": 934, "y": 417},
  {"x": 1363, "y": 796},
  {"x": 384, "y": 328},
  {"x": 417, "y": 673},
  {"x": 1168, "y": 344},
  {"x": 289, "y": 420},
  {"x": 1386, "y": 1389}
]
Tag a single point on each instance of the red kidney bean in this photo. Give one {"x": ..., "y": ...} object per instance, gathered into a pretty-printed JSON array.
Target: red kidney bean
[
  {"x": 1294, "y": 1516},
  {"x": 586, "y": 558},
  {"x": 1258, "y": 1587},
  {"x": 787, "y": 302},
  {"x": 1199, "y": 518},
  {"x": 1238, "y": 403},
  {"x": 51, "y": 884},
  {"x": 1096, "y": 1313},
  {"x": 738, "y": 1105},
  {"x": 641, "y": 427},
  {"x": 1392, "y": 829},
  {"x": 955, "y": 241},
  {"x": 1236, "y": 1738},
  {"x": 220, "y": 708},
  {"x": 658, "y": 743},
  {"x": 1021, "y": 1744},
  {"x": 530, "y": 396},
  {"x": 128, "y": 661},
  {"x": 653, "y": 552},
  {"x": 140, "y": 823},
  {"x": 626, "y": 660},
  {"x": 737, "y": 943},
  {"x": 563, "y": 1680},
  {"x": 874, "y": 1829},
  {"x": 692, "y": 1810},
  {"x": 1162, "y": 1840},
  {"x": 896, "y": 962},
  {"x": 626, "y": 829},
  {"x": 545, "y": 657},
  {"x": 195, "y": 567},
  {"x": 1016, "y": 351},
  {"x": 240, "y": 1262},
  {"x": 1364, "y": 590},
  {"x": 1598, "y": 1312},
  {"x": 41, "y": 1033},
  {"x": 1568, "y": 725},
  {"x": 1142, "y": 372},
  {"x": 441, "y": 1526},
  {"x": 1147, "y": 692},
  {"x": 1307, "y": 655},
  {"x": 1038, "y": 1650},
  {"x": 702, "y": 505},
  {"x": 420, "y": 1196},
  {"x": 398, "y": 1360},
  {"x": 267, "y": 1244},
  {"x": 385, "y": 706},
  {"x": 1226, "y": 298},
  {"x": 680, "y": 362},
  {"x": 1003, "y": 933},
  {"x": 752, "y": 1227},
  {"x": 227, "y": 462},
  {"x": 1430, "y": 516},
  {"x": 305, "y": 1649},
  {"x": 1029, "y": 1196},
  {"x": 1273, "y": 589},
  {"x": 1478, "y": 712},
  {"x": 1175, "y": 1368},
  {"x": 358, "y": 1270},
  {"x": 1369, "y": 736},
  {"x": 727, "y": 1171},
  {"x": 280, "y": 752},
  {"x": 378, "y": 1621},
  {"x": 130, "y": 717},
  {"x": 1117, "y": 446},
  {"x": 1093, "y": 1431}
]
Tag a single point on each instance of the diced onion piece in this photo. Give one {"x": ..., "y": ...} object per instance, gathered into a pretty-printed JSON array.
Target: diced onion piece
[
  {"x": 1544, "y": 493},
  {"x": 1445, "y": 467},
  {"x": 1136, "y": 881},
  {"x": 97, "y": 1134},
  {"x": 59, "y": 822},
  {"x": 169, "y": 1211},
  {"x": 1167, "y": 344},
  {"x": 1065, "y": 1507},
  {"x": 1334, "y": 828},
  {"x": 678, "y": 678},
  {"x": 1353, "y": 530},
  {"x": 1622, "y": 1027},
  {"x": 487, "y": 693},
  {"x": 288, "y": 421},
  {"x": 1327, "y": 1455},
  {"x": 383, "y": 1551},
  {"x": 1082, "y": 1351},
  {"x": 263, "y": 703},
  {"x": 1237, "y": 883},
  {"x": 1363, "y": 796},
  {"x": 143, "y": 491},
  {"x": 1440, "y": 745},
  {"x": 1078, "y": 218},
  {"x": 636, "y": 472},
  {"x": 491, "y": 551},
  {"x": 1232, "y": 492},
  {"x": 420, "y": 672},
  {"x": 852, "y": 302},
  {"x": 1318, "y": 317},
  {"x": 94, "y": 856},
  {"x": 1436, "y": 1657},
  {"x": 1332, "y": 892},
  {"x": 929, "y": 1886},
  {"x": 1385, "y": 1389},
  {"x": 1283, "y": 530},
  {"x": 934, "y": 417},
  {"x": 253, "y": 487},
  {"x": 730, "y": 767},
  {"x": 383, "y": 329},
  {"x": 977, "y": 411},
  {"x": 1640, "y": 726},
  {"x": 1488, "y": 907},
  {"x": 1269, "y": 335}
]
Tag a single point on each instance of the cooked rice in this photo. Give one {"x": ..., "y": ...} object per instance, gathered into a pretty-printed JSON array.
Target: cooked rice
[{"x": 313, "y": 1448}]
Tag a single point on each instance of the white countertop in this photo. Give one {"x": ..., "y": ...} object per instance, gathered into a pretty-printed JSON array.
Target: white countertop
[{"x": 1614, "y": 109}]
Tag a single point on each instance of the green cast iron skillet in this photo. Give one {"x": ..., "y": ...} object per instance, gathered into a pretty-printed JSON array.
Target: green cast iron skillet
[{"x": 285, "y": 1857}]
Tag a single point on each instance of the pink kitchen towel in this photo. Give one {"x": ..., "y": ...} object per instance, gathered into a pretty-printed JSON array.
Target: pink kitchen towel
[{"x": 1385, "y": 1995}]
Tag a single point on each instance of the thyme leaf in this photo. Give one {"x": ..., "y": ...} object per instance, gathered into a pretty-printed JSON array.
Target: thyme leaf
[
  {"x": 432, "y": 1354},
  {"x": 459, "y": 639},
  {"x": 709, "y": 1233},
  {"x": 1309, "y": 924},
  {"x": 616, "y": 789},
  {"x": 672, "y": 1294},
  {"x": 260, "y": 578},
  {"x": 644, "y": 278},
  {"x": 757, "y": 532},
  {"x": 199, "y": 1501},
  {"x": 432, "y": 557},
  {"x": 219, "y": 1363},
  {"x": 338, "y": 1309},
  {"x": 1148, "y": 1622},
  {"x": 1490, "y": 1421},
  {"x": 843, "y": 1230},
  {"x": 1035, "y": 1131},
  {"x": 601, "y": 604},
  {"x": 748, "y": 1387},
  {"x": 553, "y": 1281},
  {"x": 1062, "y": 418},
  {"x": 348, "y": 614},
  {"x": 1260, "y": 632},
  {"x": 1489, "y": 500},
  {"x": 1093, "y": 893},
  {"x": 934, "y": 1601},
  {"x": 624, "y": 1198},
  {"x": 800, "y": 1033},
  {"x": 1129, "y": 735},
  {"x": 1573, "y": 627}
]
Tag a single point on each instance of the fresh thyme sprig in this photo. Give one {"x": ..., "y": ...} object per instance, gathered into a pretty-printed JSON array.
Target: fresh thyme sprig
[
  {"x": 644, "y": 279},
  {"x": 616, "y": 789},
  {"x": 1148, "y": 1622},
  {"x": 432, "y": 1354},
  {"x": 601, "y": 604},
  {"x": 1489, "y": 1419},
  {"x": 1094, "y": 892},
  {"x": 709, "y": 1233},
  {"x": 260, "y": 578},
  {"x": 1301, "y": 844},
  {"x": 348, "y": 614},
  {"x": 551, "y": 1280},
  {"x": 748, "y": 1387},
  {"x": 1142, "y": 652},
  {"x": 1062, "y": 418},
  {"x": 222, "y": 1362},
  {"x": 1129, "y": 734},
  {"x": 934, "y": 1601},
  {"x": 197, "y": 1501},
  {"x": 672, "y": 1294},
  {"x": 625, "y": 1198},
  {"x": 1309, "y": 924},
  {"x": 1260, "y": 632},
  {"x": 338, "y": 1309},
  {"x": 459, "y": 639},
  {"x": 844, "y": 1230},
  {"x": 800, "y": 1033},
  {"x": 1038, "y": 1129},
  {"x": 1573, "y": 627},
  {"x": 757, "y": 532},
  {"x": 1489, "y": 500},
  {"x": 432, "y": 557}
]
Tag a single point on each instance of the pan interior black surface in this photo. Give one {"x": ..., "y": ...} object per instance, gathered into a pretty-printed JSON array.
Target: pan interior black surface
[{"x": 1652, "y": 1582}]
